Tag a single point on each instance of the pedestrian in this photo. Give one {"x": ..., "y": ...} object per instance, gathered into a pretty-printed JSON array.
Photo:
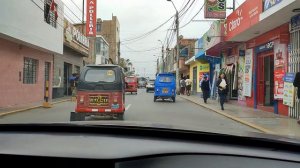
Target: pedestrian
[
  {"x": 205, "y": 87},
  {"x": 182, "y": 86},
  {"x": 222, "y": 86},
  {"x": 296, "y": 84},
  {"x": 188, "y": 85}
]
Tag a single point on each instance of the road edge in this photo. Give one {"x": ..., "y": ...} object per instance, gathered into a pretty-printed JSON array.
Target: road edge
[
  {"x": 30, "y": 108},
  {"x": 257, "y": 127}
]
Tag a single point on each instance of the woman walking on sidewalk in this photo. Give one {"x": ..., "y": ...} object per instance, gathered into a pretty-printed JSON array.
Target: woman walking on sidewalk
[
  {"x": 222, "y": 89},
  {"x": 205, "y": 88}
]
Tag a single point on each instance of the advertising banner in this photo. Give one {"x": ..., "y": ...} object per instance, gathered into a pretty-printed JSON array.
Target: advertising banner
[
  {"x": 241, "y": 72},
  {"x": 243, "y": 18},
  {"x": 289, "y": 90},
  {"x": 270, "y": 3},
  {"x": 215, "y": 9},
  {"x": 247, "y": 85},
  {"x": 279, "y": 83},
  {"x": 280, "y": 54},
  {"x": 91, "y": 18}
]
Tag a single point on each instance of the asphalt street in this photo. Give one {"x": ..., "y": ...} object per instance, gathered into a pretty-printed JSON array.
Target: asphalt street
[{"x": 141, "y": 108}]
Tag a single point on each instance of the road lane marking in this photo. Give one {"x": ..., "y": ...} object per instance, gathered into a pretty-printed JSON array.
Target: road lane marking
[{"x": 128, "y": 106}]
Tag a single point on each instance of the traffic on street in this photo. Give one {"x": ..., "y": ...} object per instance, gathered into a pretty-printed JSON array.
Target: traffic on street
[{"x": 140, "y": 83}]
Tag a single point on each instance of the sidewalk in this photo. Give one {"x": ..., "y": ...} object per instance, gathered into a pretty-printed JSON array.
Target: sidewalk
[
  {"x": 263, "y": 121},
  {"x": 14, "y": 109}
]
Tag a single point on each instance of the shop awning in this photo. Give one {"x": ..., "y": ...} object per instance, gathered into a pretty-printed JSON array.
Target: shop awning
[
  {"x": 200, "y": 54},
  {"x": 191, "y": 60}
]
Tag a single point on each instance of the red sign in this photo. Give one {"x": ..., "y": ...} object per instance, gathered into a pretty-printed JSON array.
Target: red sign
[
  {"x": 243, "y": 18},
  {"x": 91, "y": 18},
  {"x": 279, "y": 83}
]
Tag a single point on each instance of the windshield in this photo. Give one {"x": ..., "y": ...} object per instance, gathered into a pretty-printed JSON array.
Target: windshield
[
  {"x": 100, "y": 75},
  {"x": 221, "y": 66},
  {"x": 163, "y": 79}
]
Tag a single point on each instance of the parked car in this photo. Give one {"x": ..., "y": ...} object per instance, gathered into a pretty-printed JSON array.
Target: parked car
[
  {"x": 165, "y": 87},
  {"x": 150, "y": 85}
]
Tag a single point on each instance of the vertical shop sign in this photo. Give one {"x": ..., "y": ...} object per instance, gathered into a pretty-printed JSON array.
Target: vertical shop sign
[
  {"x": 91, "y": 18},
  {"x": 289, "y": 90},
  {"x": 280, "y": 53},
  {"x": 241, "y": 71},
  {"x": 247, "y": 86}
]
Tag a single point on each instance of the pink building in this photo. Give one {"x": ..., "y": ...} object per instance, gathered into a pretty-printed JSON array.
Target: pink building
[{"x": 28, "y": 41}]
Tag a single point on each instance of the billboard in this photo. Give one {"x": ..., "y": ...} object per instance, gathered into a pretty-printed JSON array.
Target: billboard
[
  {"x": 91, "y": 18},
  {"x": 247, "y": 85},
  {"x": 215, "y": 9}
]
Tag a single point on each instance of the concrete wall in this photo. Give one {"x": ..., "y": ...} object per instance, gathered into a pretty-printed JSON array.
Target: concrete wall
[
  {"x": 12, "y": 90},
  {"x": 24, "y": 20}
]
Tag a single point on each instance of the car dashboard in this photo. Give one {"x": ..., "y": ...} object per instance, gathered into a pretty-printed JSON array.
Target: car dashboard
[{"x": 65, "y": 146}]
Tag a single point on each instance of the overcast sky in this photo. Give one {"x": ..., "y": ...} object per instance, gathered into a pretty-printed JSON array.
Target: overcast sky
[{"x": 137, "y": 17}]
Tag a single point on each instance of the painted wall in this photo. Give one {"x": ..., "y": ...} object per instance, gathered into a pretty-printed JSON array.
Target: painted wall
[
  {"x": 12, "y": 90},
  {"x": 24, "y": 20}
]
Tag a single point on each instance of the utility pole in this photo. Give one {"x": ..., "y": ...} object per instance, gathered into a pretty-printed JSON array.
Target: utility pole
[
  {"x": 177, "y": 52},
  {"x": 162, "y": 58},
  {"x": 233, "y": 5},
  {"x": 177, "y": 47},
  {"x": 82, "y": 17}
]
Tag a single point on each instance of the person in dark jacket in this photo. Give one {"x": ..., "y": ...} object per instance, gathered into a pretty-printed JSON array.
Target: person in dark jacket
[
  {"x": 222, "y": 86},
  {"x": 296, "y": 84},
  {"x": 205, "y": 88}
]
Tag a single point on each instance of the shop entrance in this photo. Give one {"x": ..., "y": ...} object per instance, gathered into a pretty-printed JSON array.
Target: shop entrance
[
  {"x": 265, "y": 76},
  {"x": 67, "y": 75}
]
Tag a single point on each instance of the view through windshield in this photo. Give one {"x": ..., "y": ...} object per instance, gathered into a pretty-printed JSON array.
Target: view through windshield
[{"x": 221, "y": 66}]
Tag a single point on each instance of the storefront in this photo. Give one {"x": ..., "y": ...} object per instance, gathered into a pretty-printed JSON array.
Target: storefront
[
  {"x": 197, "y": 68},
  {"x": 76, "y": 47},
  {"x": 270, "y": 65},
  {"x": 294, "y": 64}
]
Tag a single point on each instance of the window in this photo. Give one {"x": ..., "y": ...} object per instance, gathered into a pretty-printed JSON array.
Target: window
[
  {"x": 98, "y": 27},
  {"x": 50, "y": 12},
  {"x": 100, "y": 75},
  {"x": 77, "y": 69},
  {"x": 165, "y": 79},
  {"x": 29, "y": 71}
]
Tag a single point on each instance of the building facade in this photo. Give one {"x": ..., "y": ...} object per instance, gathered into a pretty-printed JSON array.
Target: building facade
[
  {"x": 110, "y": 30},
  {"x": 76, "y": 48},
  {"x": 28, "y": 40}
]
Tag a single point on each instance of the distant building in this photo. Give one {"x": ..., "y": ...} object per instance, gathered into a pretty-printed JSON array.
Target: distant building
[{"x": 110, "y": 31}]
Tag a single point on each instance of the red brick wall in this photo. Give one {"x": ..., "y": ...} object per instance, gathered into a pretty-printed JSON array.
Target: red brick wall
[{"x": 13, "y": 92}]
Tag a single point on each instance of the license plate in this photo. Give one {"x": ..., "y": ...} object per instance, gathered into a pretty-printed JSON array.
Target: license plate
[
  {"x": 165, "y": 90},
  {"x": 99, "y": 100}
]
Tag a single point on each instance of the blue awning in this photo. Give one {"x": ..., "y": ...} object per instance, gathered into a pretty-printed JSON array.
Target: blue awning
[
  {"x": 184, "y": 52},
  {"x": 200, "y": 54}
]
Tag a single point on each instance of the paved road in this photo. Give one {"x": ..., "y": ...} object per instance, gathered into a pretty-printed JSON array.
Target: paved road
[{"x": 142, "y": 108}]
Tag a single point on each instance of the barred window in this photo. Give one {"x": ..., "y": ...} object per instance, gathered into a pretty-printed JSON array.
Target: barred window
[{"x": 30, "y": 71}]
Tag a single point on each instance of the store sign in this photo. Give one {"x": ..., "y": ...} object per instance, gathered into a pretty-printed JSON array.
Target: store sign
[
  {"x": 74, "y": 35},
  {"x": 243, "y": 18},
  {"x": 270, "y": 3},
  {"x": 280, "y": 55},
  {"x": 91, "y": 18},
  {"x": 295, "y": 22},
  {"x": 247, "y": 85},
  {"x": 215, "y": 9},
  {"x": 265, "y": 47}
]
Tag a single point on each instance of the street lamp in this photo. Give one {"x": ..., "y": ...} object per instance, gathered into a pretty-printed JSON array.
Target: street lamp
[
  {"x": 162, "y": 55},
  {"x": 177, "y": 47}
]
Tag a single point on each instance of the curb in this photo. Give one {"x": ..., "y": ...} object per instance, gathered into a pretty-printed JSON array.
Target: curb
[
  {"x": 30, "y": 108},
  {"x": 259, "y": 128}
]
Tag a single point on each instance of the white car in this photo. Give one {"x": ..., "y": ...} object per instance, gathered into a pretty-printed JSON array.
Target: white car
[{"x": 150, "y": 85}]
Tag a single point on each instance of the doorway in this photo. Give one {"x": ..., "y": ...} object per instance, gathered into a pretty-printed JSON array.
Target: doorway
[
  {"x": 67, "y": 75},
  {"x": 194, "y": 80},
  {"x": 265, "y": 82}
]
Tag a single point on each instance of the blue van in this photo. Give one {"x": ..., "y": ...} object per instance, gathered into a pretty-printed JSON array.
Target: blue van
[{"x": 165, "y": 87}]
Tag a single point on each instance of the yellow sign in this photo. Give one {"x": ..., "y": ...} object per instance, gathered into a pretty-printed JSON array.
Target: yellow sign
[{"x": 204, "y": 68}]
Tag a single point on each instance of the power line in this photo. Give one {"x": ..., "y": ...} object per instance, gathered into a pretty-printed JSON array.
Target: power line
[{"x": 193, "y": 17}]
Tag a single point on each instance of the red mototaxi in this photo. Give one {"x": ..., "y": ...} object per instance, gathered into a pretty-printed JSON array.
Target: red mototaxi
[{"x": 131, "y": 83}]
